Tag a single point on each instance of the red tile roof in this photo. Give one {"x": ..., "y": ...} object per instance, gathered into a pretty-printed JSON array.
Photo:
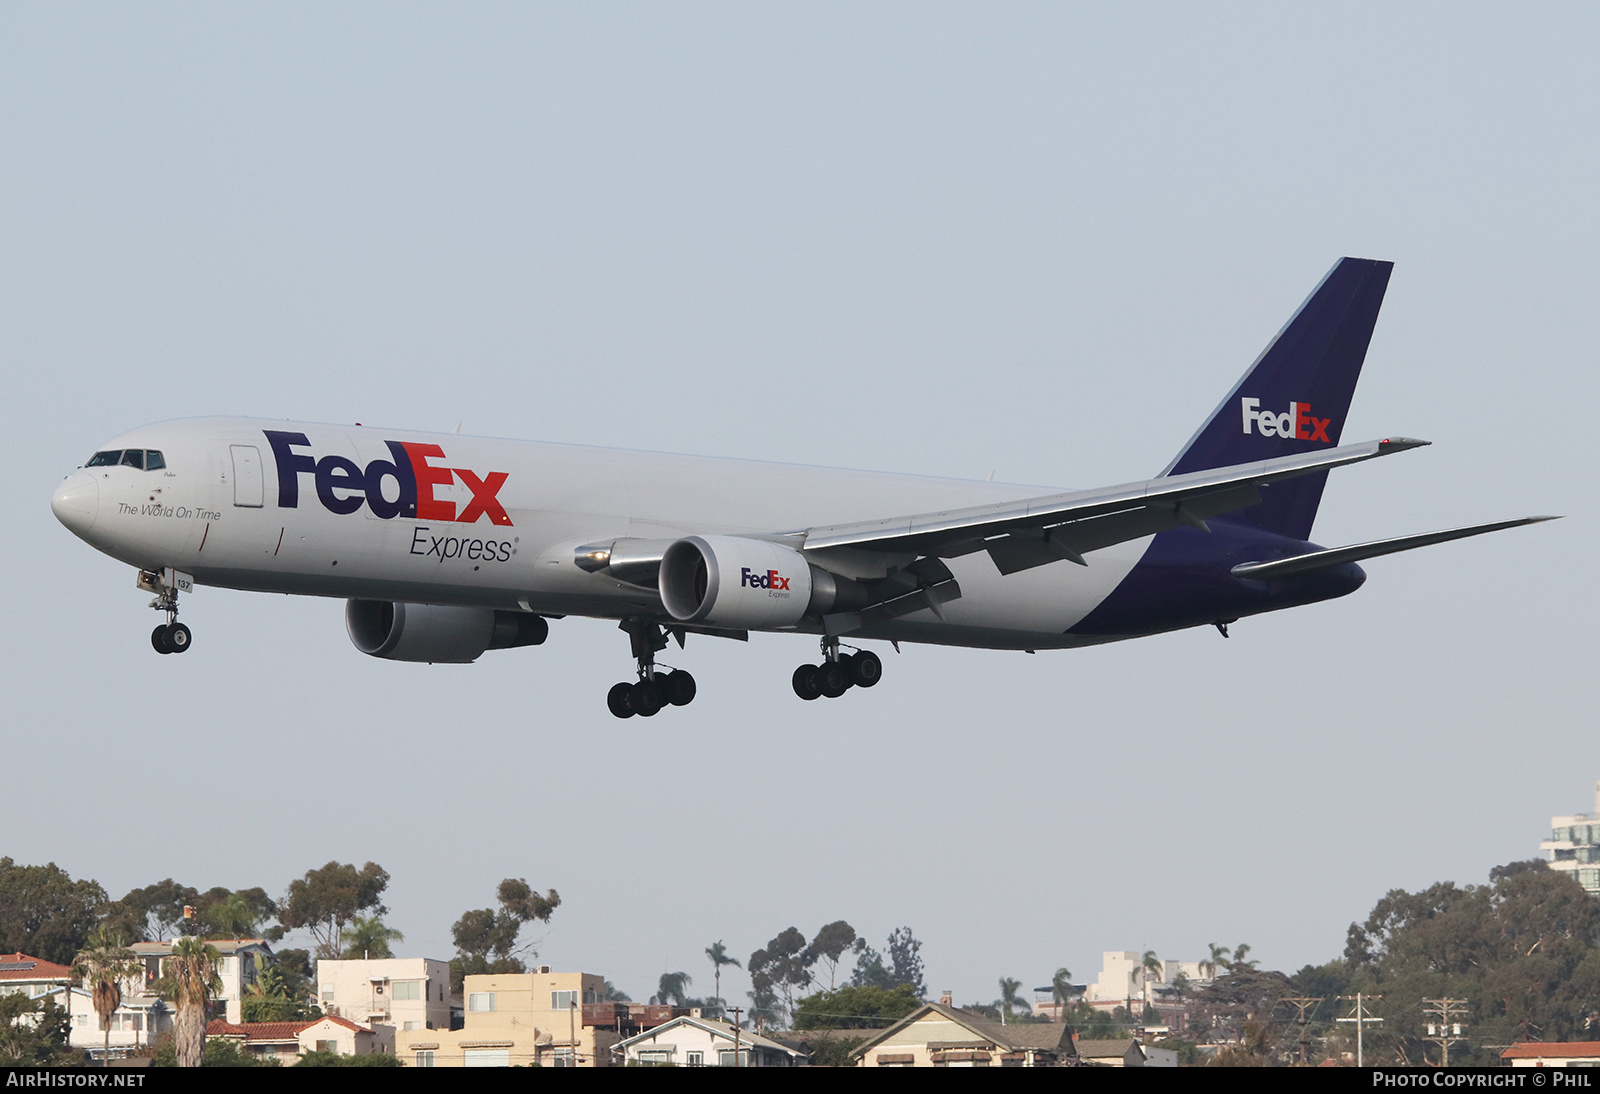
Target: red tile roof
[
  {"x": 39, "y": 969},
  {"x": 275, "y": 1031},
  {"x": 1551, "y": 1050}
]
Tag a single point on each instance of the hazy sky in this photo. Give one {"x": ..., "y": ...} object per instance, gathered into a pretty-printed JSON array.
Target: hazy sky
[{"x": 1036, "y": 239}]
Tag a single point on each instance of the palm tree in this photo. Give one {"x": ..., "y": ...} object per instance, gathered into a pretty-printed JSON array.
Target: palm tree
[
  {"x": 191, "y": 978},
  {"x": 367, "y": 937},
  {"x": 102, "y": 967},
  {"x": 1219, "y": 955},
  {"x": 1151, "y": 965},
  {"x": 719, "y": 957},
  {"x": 1060, "y": 988},
  {"x": 1239, "y": 963},
  {"x": 672, "y": 986},
  {"x": 1009, "y": 997}
]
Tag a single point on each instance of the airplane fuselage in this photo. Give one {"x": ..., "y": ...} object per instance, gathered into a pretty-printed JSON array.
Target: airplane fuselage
[{"x": 398, "y": 515}]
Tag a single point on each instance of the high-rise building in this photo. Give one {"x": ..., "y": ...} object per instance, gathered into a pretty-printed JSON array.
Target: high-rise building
[{"x": 1574, "y": 845}]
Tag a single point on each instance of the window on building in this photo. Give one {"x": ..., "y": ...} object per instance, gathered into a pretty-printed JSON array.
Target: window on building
[
  {"x": 725, "y": 1058},
  {"x": 655, "y": 1057},
  {"x": 424, "y": 1059},
  {"x": 480, "y": 1001},
  {"x": 406, "y": 989},
  {"x": 328, "y": 1046},
  {"x": 563, "y": 1057},
  {"x": 694, "y": 1059},
  {"x": 563, "y": 1000}
]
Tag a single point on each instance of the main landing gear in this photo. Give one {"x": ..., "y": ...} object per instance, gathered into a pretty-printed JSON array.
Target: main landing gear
[
  {"x": 171, "y": 636},
  {"x": 837, "y": 674},
  {"x": 654, "y": 690}
]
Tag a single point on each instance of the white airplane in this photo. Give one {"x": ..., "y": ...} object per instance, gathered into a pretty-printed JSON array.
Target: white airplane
[{"x": 446, "y": 546}]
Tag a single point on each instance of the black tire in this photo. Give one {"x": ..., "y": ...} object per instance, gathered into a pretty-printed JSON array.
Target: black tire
[
  {"x": 178, "y": 638},
  {"x": 648, "y": 698},
  {"x": 834, "y": 679},
  {"x": 865, "y": 669},
  {"x": 679, "y": 687},
  {"x": 807, "y": 682},
  {"x": 620, "y": 700},
  {"x": 158, "y": 639}
]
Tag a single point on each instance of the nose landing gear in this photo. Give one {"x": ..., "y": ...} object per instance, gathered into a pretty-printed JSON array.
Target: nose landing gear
[
  {"x": 838, "y": 673},
  {"x": 171, "y": 636},
  {"x": 654, "y": 690}
]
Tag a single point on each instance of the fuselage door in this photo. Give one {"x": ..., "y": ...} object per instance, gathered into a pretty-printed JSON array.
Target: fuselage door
[{"x": 248, "y": 489}]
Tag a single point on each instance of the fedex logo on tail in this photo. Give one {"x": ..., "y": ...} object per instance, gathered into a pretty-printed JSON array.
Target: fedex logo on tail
[
  {"x": 343, "y": 485},
  {"x": 1297, "y": 423}
]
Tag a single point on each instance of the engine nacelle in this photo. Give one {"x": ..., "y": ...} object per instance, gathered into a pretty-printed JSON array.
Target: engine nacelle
[
  {"x": 437, "y": 633},
  {"x": 746, "y": 584}
]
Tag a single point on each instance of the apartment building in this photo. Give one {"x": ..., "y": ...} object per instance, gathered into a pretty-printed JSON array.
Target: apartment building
[{"x": 387, "y": 995}]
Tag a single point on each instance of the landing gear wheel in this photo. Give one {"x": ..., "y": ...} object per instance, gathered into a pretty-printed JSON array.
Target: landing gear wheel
[
  {"x": 620, "y": 700},
  {"x": 679, "y": 688},
  {"x": 648, "y": 698},
  {"x": 865, "y": 669},
  {"x": 833, "y": 679},
  {"x": 178, "y": 638},
  {"x": 158, "y": 639},
  {"x": 807, "y": 682}
]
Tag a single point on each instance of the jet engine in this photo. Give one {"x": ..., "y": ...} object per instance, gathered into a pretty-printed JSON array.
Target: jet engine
[
  {"x": 437, "y": 633},
  {"x": 747, "y": 584}
]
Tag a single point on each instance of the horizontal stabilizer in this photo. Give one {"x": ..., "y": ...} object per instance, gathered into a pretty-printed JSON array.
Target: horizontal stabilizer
[{"x": 1337, "y": 556}]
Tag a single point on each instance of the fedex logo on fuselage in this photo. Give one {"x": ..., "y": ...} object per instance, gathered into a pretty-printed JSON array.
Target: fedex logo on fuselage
[
  {"x": 769, "y": 579},
  {"x": 1297, "y": 423},
  {"x": 343, "y": 485}
]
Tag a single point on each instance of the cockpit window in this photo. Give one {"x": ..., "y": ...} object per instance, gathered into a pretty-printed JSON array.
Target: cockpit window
[
  {"x": 153, "y": 460},
  {"x": 105, "y": 459},
  {"x": 142, "y": 458},
  {"x": 133, "y": 457}
]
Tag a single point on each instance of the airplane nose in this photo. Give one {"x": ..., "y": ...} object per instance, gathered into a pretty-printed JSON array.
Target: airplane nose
[{"x": 76, "y": 502}]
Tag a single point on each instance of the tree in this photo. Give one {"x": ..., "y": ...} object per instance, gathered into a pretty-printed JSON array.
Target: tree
[
  {"x": 43, "y": 912},
  {"x": 225, "y": 914},
  {"x": 33, "y": 1033},
  {"x": 1154, "y": 971},
  {"x": 1061, "y": 989},
  {"x": 1010, "y": 997},
  {"x": 831, "y": 943},
  {"x": 103, "y": 965},
  {"x": 780, "y": 966},
  {"x": 368, "y": 937},
  {"x": 191, "y": 978},
  {"x": 671, "y": 988},
  {"x": 718, "y": 953},
  {"x": 486, "y": 939},
  {"x": 325, "y": 900},
  {"x": 1219, "y": 954},
  {"x": 904, "y": 965},
  {"x": 851, "y": 1007}
]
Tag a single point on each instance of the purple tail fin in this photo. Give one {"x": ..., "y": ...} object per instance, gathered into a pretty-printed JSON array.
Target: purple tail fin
[{"x": 1296, "y": 396}]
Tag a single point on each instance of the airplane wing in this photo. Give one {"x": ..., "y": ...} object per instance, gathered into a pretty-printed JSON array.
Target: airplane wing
[
  {"x": 1337, "y": 556},
  {"x": 1019, "y": 535}
]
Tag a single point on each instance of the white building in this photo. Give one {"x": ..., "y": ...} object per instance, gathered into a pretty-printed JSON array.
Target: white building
[
  {"x": 1124, "y": 979},
  {"x": 1574, "y": 846},
  {"x": 237, "y": 969},
  {"x": 387, "y": 994},
  {"x": 140, "y": 1017},
  {"x": 704, "y": 1042}
]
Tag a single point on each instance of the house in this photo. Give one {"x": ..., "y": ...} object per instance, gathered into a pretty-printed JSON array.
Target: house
[
  {"x": 687, "y": 1041},
  {"x": 138, "y": 1018},
  {"x": 387, "y": 994},
  {"x": 237, "y": 967},
  {"x": 936, "y": 1035},
  {"x": 1553, "y": 1054},
  {"x": 1117, "y": 1052},
  {"x": 286, "y": 1042},
  {"x": 518, "y": 1019}
]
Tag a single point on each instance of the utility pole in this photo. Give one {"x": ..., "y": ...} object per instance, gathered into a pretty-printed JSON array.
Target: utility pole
[
  {"x": 1362, "y": 1019},
  {"x": 1302, "y": 1004},
  {"x": 736, "y": 1012},
  {"x": 1448, "y": 1028}
]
